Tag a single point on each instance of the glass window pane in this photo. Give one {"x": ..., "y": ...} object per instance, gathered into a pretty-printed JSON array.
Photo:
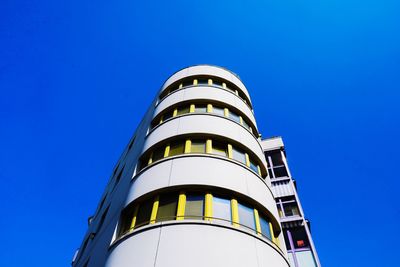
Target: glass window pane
[
  {"x": 158, "y": 154},
  {"x": 233, "y": 116},
  {"x": 276, "y": 157},
  {"x": 187, "y": 82},
  {"x": 305, "y": 259},
  {"x": 299, "y": 237},
  {"x": 280, "y": 171},
  {"x": 176, "y": 148},
  {"x": 264, "y": 223},
  {"x": 200, "y": 108},
  {"x": 167, "y": 207},
  {"x": 198, "y": 146},
  {"x": 217, "y": 82},
  {"x": 291, "y": 260},
  {"x": 219, "y": 149},
  {"x": 222, "y": 208},
  {"x": 246, "y": 216},
  {"x": 144, "y": 213},
  {"x": 168, "y": 115},
  {"x": 253, "y": 166},
  {"x": 245, "y": 124},
  {"x": 194, "y": 206},
  {"x": 270, "y": 173},
  {"x": 239, "y": 155},
  {"x": 280, "y": 211},
  {"x": 290, "y": 209},
  {"x": 202, "y": 81},
  {"x": 218, "y": 111},
  {"x": 183, "y": 110}
]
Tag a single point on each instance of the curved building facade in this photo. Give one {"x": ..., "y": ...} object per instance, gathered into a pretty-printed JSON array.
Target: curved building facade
[{"x": 192, "y": 186}]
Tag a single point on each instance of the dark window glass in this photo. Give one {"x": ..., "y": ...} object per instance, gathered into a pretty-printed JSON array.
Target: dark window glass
[
  {"x": 299, "y": 237},
  {"x": 126, "y": 221},
  {"x": 285, "y": 235},
  {"x": 246, "y": 216},
  {"x": 239, "y": 155},
  {"x": 280, "y": 211},
  {"x": 219, "y": 148},
  {"x": 187, "y": 82},
  {"x": 202, "y": 81},
  {"x": 280, "y": 171},
  {"x": 218, "y": 111},
  {"x": 290, "y": 209},
  {"x": 183, "y": 110},
  {"x": 217, "y": 82},
  {"x": 176, "y": 148},
  {"x": 222, "y": 208},
  {"x": 200, "y": 108},
  {"x": 276, "y": 157},
  {"x": 167, "y": 115},
  {"x": 265, "y": 230},
  {"x": 270, "y": 173},
  {"x": 167, "y": 207},
  {"x": 144, "y": 213},
  {"x": 198, "y": 146},
  {"x": 233, "y": 116},
  {"x": 158, "y": 154},
  {"x": 194, "y": 208}
]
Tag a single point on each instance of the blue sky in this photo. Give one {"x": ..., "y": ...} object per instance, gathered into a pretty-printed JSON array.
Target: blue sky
[{"x": 77, "y": 76}]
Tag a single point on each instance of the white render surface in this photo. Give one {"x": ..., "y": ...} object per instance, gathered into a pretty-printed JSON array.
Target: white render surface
[{"x": 195, "y": 245}]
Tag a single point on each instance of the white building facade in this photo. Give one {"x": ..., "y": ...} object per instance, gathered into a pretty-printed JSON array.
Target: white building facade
[{"x": 192, "y": 186}]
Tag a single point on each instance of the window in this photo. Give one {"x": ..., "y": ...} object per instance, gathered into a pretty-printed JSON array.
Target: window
[
  {"x": 198, "y": 146},
  {"x": 239, "y": 155},
  {"x": 200, "y": 108},
  {"x": 187, "y": 82},
  {"x": 245, "y": 124},
  {"x": 246, "y": 216},
  {"x": 276, "y": 164},
  {"x": 222, "y": 208},
  {"x": 265, "y": 230},
  {"x": 194, "y": 208},
  {"x": 290, "y": 209},
  {"x": 144, "y": 213},
  {"x": 219, "y": 149},
  {"x": 202, "y": 81},
  {"x": 253, "y": 166},
  {"x": 183, "y": 110},
  {"x": 168, "y": 115},
  {"x": 158, "y": 154},
  {"x": 233, "y": 116},
  {"x": 176, "y": 148},
  {"x": 167, "y": 207},
  {"x": 218, "y": 111}
]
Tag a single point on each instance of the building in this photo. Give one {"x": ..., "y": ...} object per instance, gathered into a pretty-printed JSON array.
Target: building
[
  {"x": 296, "y": 229},
  {"x": 192, "y": 186}
]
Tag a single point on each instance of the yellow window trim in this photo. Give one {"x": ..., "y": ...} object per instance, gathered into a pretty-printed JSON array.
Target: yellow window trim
[
  {"x": 161, "y": 119},
  {"x": 241, "y": 120},
  {"x": 224, "y": 85},
  {"x": 230, "y": 151},
  {"x": 135, "y": 212},
  {"x": 247, "y": 159},
  {"x": 166, "y": 151},
  {"x": 259, "y": 170},
  {"x": 180, "y": 85},
  {"x": 188, "y": 146},
  {"x": 226, "y": 112},
  {"x": 180, "y": 212},
  {"x": 210, "y": 81},
  {"x": 150, "y": 159},
  {"x": 195, "y": 82},
  {"x": 154, "y": 210},
  {"x": 209, "y": 146},
  {"x": 257, "y": 219},
  {"x": 209, "y": 108},
  {"x": 274, "y": 239},
  {"x": 208, "y": 211},
  {"x": 237, "y": 92},
  {"x": 235, "y": 213},
  {"x": 192, "y": 107}
]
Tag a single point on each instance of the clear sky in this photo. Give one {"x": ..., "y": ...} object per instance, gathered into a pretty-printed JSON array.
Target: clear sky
[{"x": 77, "y": 76}]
